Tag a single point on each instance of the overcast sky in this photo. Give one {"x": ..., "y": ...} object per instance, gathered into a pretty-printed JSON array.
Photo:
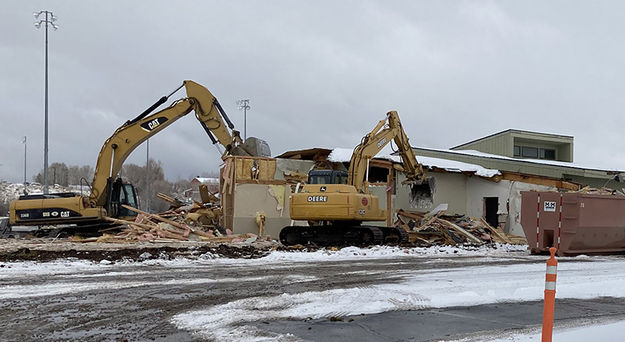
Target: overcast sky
[{"x": 317, "y": 73}]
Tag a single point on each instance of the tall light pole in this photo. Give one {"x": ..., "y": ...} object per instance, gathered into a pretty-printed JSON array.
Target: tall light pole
[
  {"x": 24, "y": 141},
  {"x": 48, "y": 19},
  {"x": 245, "y": 106}
]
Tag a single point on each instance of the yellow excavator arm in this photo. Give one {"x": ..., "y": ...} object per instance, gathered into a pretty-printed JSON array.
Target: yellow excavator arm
[
  {"x": 335, "y": 212},
  {"x": 109, "y": 193},
  {"x": 386, "y": 130},
  {"x": 131, "y": 134}
]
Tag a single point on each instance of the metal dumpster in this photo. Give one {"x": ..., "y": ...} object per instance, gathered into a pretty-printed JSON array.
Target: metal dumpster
[{"x": 574, "y": 223}]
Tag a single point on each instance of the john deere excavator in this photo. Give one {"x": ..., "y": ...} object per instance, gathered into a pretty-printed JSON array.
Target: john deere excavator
[
  {"x": 336, "y": 212},
  {"x": 108, "y": 192}
]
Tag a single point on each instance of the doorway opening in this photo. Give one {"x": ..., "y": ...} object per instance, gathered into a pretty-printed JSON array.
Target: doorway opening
[{"x": 491, "y": 205}]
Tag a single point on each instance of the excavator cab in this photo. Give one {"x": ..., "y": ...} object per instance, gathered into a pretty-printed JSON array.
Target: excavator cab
[
  {"x": 121, "y": 193},
  {"x": 327, "y": 177}
]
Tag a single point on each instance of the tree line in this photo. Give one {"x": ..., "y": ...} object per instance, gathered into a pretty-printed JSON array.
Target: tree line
[{"x": 137, "y": 175}]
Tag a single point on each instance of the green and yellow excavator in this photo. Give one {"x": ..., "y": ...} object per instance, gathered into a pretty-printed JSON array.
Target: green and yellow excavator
[
  {"x": 108, "y": 191},
  {"x": 336, "y": 204}
]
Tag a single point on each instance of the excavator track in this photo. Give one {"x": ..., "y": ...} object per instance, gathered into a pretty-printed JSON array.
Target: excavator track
[
  {"x": 394, "y": 235},
  {"x": 332, "y": 235}
]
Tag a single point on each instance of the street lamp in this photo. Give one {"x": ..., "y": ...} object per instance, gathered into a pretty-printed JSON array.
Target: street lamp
[
  {"x": 48, "y": 19},
  {"x": 245, "y": 106},
  {"x": 24, "y": 141}
]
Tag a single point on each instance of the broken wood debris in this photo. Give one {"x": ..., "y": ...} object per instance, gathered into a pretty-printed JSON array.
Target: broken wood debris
[
  {"x": 180, "y": 224},
  {"x": 439, "y": 229}
]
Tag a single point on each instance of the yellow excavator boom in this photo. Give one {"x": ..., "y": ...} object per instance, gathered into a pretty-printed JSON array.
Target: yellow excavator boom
[
  {"x": 132, "y": 133},
  {"x": 109, "y": 193},
  {"x": 386, "y": 130}
]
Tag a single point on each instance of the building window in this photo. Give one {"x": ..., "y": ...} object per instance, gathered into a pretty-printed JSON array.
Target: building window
[
  {"x": 529, "y": 152},
  {"x": 546, "y": 153},
  {"x": 517, "y": 150}
]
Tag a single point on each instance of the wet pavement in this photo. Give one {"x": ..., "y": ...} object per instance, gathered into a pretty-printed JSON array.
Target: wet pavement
[
  {"x": 136, "y": 301},
  {"x": 446, "y": 323}
]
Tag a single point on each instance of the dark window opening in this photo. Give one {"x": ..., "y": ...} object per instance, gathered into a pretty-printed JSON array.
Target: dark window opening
[
  {"x": 327, "y": 177},
  {"x": 517, "y": 150},
  {"x": 546, "y": 153},
  {"x": 491, "y": 205},
  {"x": 378, "y": 175}
]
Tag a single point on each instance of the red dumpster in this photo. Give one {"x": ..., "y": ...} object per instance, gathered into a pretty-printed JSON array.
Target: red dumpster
[{"x": 574, "y": 223}]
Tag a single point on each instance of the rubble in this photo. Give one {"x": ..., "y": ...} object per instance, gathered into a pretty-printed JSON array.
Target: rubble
[
  {"x": 439, "y": 229},
  {"x": 186, "y": 223}
]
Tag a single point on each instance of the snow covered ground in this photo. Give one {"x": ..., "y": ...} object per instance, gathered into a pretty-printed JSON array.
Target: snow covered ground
[
  {"x": 433, "y": 288},
  {"x": 472, "y": 276}
]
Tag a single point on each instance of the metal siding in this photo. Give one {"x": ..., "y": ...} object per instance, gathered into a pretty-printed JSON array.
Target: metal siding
[
  {"x": 495, "y": 145},
  {"x": 582, "y": 176}
]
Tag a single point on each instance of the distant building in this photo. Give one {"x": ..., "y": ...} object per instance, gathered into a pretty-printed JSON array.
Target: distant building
[
  {"x": 197, "y": 181},
  {"x": 194, "y": 192},
  {"x": 524, "y": 144},
  {"x": 531, "y": 153}
]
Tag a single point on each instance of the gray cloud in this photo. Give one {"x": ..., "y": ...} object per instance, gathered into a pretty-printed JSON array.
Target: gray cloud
[{"x": 317, "y": 73}]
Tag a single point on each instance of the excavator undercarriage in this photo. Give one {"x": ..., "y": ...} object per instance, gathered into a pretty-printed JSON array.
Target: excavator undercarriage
[{"x": 342, "y": 234}]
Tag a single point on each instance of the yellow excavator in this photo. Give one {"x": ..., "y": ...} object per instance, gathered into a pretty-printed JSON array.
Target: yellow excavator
[
  {"x": 108, "y": 192},
  {"x": 336, "y": 211}
]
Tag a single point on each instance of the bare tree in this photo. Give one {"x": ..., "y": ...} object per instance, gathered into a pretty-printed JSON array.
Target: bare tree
[
  {"x": 76, "y": 173},
  {"x": 58, "y": 173},
  {"x": 136, "y": 175}
]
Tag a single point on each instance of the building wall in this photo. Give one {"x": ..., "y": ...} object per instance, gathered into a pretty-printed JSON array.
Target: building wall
[
  {"x": 501, "y": 144},
  {"x": 272, "y": 200},
  {"x": 463, "y": 193},
  {"x": 579, "y": 175},
  {"x": 509, "y": 195},
  {"x": 448, "y": 188}
]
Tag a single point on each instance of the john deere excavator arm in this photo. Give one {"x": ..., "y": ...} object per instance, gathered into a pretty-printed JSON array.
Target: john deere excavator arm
[
  {"x": 386, "y": 130},
  {"x": 131, "y": 134},
  {"x": 336, "y": 212}
]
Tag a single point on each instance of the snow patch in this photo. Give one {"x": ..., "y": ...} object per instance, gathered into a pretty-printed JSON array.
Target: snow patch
[
  {"x": 345, "y": 154},
  {"x": 462, "y": 286}
]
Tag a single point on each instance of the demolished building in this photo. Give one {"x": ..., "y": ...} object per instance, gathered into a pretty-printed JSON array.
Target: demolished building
[{"x": 472, "y": 183}]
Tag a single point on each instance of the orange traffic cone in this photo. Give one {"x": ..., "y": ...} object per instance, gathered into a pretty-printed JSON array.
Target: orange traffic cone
[{"x": 550, "y": 295}]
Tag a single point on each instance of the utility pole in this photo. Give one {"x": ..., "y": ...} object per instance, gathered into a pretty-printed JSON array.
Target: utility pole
[
  {"x": 147, "y": 178},
  {"x": 49, "y": 20},
  {"x": 24, "y": 141},
  {"x": 245, "y": 106}
]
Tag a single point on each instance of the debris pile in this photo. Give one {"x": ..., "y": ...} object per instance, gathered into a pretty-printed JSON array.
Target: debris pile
[
  {"x": 182, "y": 222},
  {"x": 439, "y": 229}
]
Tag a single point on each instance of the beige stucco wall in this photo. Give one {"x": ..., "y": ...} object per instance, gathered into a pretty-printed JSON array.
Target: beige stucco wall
[
  {"x": 252, "y": 198},
  {"x": 449, "y": 188},
  {"x": 478, "y": 188},
  {"x": 506, "y": 191}
]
